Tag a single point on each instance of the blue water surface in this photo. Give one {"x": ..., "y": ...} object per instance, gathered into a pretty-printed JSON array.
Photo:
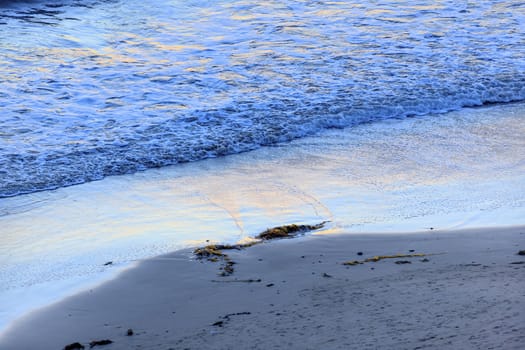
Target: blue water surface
[{"x": 96, "y": 88}]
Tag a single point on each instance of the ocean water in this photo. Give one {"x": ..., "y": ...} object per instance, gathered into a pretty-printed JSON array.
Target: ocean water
[
  {"x": 96, "y": 88},
  {"x": 363, "y": 109}
]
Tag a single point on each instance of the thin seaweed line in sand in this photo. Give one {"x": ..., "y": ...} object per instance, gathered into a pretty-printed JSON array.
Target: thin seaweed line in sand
[{"x": 382, "y": 257}]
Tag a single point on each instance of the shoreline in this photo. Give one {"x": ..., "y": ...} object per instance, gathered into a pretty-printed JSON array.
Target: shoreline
[
  {"x": 297, "y": 291},
  {"x": 453, "y": 171}
]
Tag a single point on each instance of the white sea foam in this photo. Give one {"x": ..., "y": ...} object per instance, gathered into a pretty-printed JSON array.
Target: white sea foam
[{"x": 96, "y": 88}]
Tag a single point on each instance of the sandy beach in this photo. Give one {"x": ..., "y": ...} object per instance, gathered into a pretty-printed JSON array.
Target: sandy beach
[{"x": 454, "y": 290}]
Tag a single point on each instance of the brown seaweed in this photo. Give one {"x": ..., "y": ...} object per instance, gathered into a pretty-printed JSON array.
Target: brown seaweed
[
  {"x": 381, "y": 257},
  {"x": 288, "y": 231},
  {"x": 214, "y": 252}
]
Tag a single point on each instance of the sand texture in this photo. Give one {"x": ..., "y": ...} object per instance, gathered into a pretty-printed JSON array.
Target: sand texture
[{"x": 466, "y": 292}]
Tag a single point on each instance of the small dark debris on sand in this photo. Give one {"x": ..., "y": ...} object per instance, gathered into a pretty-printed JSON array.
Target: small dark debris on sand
[
  {"x": 241, "y": 281},
  {"x": 108, "y": 263},
  {"x": 227, "y": 269},
  {"x": 74, "y": 346},
  {"x": 518, "y": 262},
  {"x": 227, "y": 318},
  {"x": 270, "y": 285},
  {"x": 214, "y": 252},
  {"x": 327, "y": 275},
  {"x": 401, "y": 262},
  {"x": 425, "y": 260},
  {"x": 100, "y": 343},
  {"x": 129, "y": 333},
  {"x": 521, "y": 252},
  {"x": 359, "y": 253}
]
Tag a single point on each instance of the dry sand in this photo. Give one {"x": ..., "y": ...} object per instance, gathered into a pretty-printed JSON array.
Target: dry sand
[{"x": 297, "y": 294}]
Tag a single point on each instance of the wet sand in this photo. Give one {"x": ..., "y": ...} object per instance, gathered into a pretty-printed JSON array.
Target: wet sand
[{"x": 467, "y": 292}]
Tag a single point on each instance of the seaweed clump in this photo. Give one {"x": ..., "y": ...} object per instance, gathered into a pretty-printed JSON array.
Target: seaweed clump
[
  {"x": 210, "y": 251},
  {"x": 288, "y": 231},
  {"x": 214, "y": 252}
]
